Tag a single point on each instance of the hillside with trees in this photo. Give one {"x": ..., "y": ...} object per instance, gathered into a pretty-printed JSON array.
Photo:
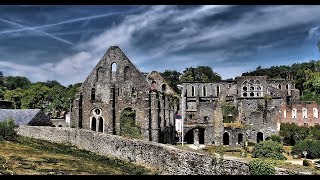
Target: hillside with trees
[
  {"x": 306, "y": 77},
  {"x": 49, "y": 96}
]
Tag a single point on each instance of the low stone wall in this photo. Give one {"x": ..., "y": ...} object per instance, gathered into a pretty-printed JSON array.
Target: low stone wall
[{"x": 165, "y": 158}]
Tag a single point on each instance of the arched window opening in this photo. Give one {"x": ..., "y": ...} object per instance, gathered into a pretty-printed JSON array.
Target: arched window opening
[
  {"x": 225, "y": 138},
  {"x": 164, "y": 87},
  {"x": 279, "y": 86},
  {"x": 113, "y": 71},
  {"x": 218, "y": 90},
  {"x": 287, "y": 86},
  {"x": 251, "y": 94},
  {"x": 315, "y": 113},
  {"x": 304, "y": 113},
  {"x": 240, "y": 138},
  {"x": 244, "y": 88},
  {"x": 245, "y": 94},
  {"x": 93, "y": 124},
  {"x": 259, "y": 137},
  {"x": 192, "y": 91},
  {"x": 93, "y": 94},
  {"x": 204, "y": 91},
  {"x": 127, "y": 73},
  {"x": 294, "y": 113},
  {"x": 100, "y": 127},
  {"x": 251, "y": 88}
]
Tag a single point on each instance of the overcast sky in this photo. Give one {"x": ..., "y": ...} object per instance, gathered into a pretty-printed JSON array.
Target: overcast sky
[{"x": 64, "y": 43}]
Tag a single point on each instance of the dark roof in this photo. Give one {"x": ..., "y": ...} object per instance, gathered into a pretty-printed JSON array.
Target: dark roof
[{"x": 21, "y": 116}]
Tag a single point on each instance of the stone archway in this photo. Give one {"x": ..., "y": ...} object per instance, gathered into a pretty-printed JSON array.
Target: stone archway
[
  {"x": 259, "y": 137},
  {"x": 225, "y": 138},
  {"x": 195, "y": 136}
]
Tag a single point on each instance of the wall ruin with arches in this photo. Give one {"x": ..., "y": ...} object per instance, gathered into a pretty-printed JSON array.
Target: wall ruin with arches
[
  {"x": 258, "y": 101},
  {"x": 115, "y": 84}
]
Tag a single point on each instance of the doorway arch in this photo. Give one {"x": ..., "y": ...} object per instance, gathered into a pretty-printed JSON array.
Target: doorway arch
[
  {"x": 225, "y": 138},
  {"x": 259, "y": 137}
]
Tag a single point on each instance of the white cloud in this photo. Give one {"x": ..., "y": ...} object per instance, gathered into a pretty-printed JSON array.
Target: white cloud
[{"x": 314, "y": 32}]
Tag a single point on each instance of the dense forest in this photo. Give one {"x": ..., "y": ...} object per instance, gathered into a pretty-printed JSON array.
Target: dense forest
[{"x": 306, "y": 76}]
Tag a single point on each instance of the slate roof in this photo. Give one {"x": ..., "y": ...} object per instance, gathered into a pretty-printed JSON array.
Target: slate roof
[{"x": 21, "y": 116}]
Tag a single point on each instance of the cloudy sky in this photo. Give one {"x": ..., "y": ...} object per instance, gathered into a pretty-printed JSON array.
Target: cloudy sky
[{"x": 64, "y": 43}]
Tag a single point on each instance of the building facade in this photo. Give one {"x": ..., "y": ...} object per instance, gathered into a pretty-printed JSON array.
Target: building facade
[{"x": 114, "y": 85}]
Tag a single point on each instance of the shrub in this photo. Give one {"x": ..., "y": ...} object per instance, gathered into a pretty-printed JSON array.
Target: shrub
[
  {"x": 268, "y": 149},
  {"x": 261, "y": 167},
  {"x": 311, "y": 146},
  {"x": 274, "y": 137},
  {"x": 306, "y": 162},
  {"x": 7, "y": 131}
]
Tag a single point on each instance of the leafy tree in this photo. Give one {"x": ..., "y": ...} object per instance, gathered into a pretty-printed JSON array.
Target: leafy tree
[
  {"x": 7, "y": 131},
  {"x": 14, "y": 96},
  {"x": 293, "y": 133},
  {"x": 35, "y": 97},
  {"x": 311, "y": 146},
  {"x": 268, "y": 149},
  {"x": 274, "y": 137},
  {"x": 200, "y": 73},
  {"x": 172, "y": 78},
  {"x": 13, "y": 82}
]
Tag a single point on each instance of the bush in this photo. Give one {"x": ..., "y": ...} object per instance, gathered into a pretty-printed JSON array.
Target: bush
[
  {"x": 7, "y": 131},
  {"x": 268, "y": 149},
  {"x": 274, "y": 137},
  {"x": 306, "y": 162},
  {"x": 311, "y": 146},
  {"x": 260, "y": 167}
]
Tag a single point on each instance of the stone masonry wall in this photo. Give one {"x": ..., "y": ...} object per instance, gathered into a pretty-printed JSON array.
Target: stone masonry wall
[{"x": 165, "y": 158}]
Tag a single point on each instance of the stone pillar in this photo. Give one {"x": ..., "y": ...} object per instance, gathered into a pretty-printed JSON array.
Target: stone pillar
[
  {"x": 154, "y": 117},
  {"x": 162, "y": 110},
  {"x": 167, "y": 120},
  {"x": 76, "y": 113},
  {"x": 196, "y": 137}
]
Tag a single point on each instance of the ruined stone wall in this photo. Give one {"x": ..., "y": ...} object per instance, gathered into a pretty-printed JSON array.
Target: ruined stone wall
[
  {"x": 234, "y": 135},
  {"x": 258, "y": 119},
  {"x": 165, "y": 158}
]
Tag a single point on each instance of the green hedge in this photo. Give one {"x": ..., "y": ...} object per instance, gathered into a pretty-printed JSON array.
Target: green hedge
[
  {"x": 261, "y": 167},
  {"x": 268, "y": 149}
]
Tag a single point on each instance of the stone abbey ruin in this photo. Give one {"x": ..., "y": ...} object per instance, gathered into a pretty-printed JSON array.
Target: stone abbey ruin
[{"x": 250, "y": 108}]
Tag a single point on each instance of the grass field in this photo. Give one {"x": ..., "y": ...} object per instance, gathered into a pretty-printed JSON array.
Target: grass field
[{"x": 36, "y": 157}]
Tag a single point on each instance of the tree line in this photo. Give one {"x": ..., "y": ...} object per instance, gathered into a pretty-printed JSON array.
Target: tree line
[{"x": 49, "y": 96}]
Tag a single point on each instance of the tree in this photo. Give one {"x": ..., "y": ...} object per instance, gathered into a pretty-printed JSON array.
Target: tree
[
  {"x": 35, "y": 97},
  {"x": 268, "y": 149},
  {"x": 172, "y": 78},
  {"x": 14, "y": 96},
  {"x": 13, "y": 82},
  {"x": 200, "y": 73}
]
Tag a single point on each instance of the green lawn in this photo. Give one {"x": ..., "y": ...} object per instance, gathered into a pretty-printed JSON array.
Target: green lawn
[{"x": 30, "y": 156}]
